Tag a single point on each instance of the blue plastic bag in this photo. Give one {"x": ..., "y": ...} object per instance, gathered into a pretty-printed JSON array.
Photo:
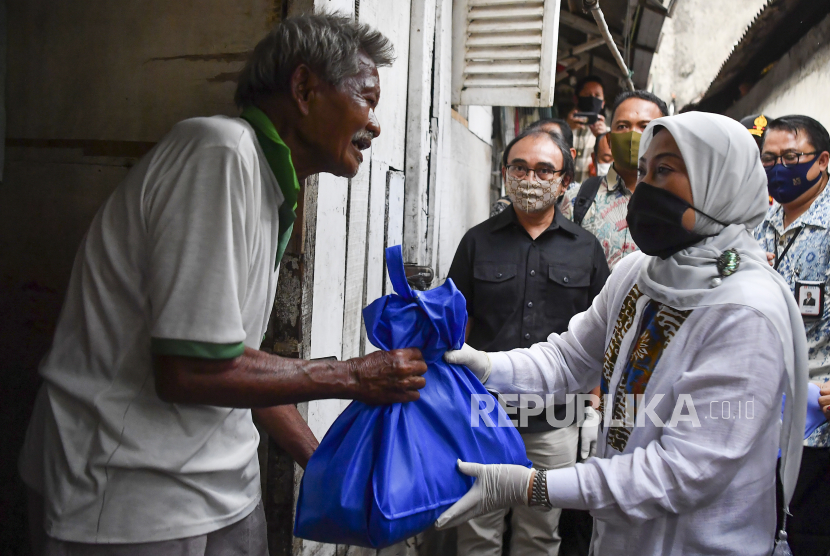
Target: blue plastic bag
[{"x": 385, "y": 473}]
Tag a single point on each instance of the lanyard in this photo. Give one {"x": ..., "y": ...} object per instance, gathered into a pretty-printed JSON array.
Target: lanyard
[{"x": 779, "y": 258}]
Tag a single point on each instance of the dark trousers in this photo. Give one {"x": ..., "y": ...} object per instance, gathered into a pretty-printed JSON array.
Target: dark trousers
[
  {"x": 575, "y": 526},
  {"x": 809, "y": 527}
]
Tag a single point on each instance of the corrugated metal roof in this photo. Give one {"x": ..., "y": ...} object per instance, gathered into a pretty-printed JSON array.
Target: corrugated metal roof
[
  {"x": 746, "y": 46},
  {"x": 775, "y": 29}
]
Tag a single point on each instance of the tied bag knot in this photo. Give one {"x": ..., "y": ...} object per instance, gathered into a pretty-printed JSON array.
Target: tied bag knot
[
  {"x": 433, "y": 321},
  {"x": 385, "y": 473}
]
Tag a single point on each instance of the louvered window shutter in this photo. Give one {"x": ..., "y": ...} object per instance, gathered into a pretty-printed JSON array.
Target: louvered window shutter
[{"x": 504, "y": 52}]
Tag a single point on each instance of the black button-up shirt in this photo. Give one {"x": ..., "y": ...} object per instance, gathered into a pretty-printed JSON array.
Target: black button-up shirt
[{"x": 519, "y": 290}]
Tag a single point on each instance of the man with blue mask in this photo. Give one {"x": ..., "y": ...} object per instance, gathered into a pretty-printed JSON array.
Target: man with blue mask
[{"x": 796, "y": 235}]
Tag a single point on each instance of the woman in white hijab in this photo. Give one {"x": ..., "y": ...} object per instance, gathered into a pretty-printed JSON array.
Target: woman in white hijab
[{"x": 694, "y": 341}]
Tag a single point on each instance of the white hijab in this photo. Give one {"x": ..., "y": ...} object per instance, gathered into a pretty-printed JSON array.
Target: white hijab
[{"x": 730, "y": 185}]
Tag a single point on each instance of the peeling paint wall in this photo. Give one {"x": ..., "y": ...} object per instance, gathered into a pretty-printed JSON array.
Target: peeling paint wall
[{"x": 695, "y": 43}]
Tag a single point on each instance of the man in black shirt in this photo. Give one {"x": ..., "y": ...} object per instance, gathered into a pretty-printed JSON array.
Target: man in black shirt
[{"x": 525, "y": 273}]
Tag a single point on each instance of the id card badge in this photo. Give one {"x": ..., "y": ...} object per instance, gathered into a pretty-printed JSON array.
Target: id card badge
[{"x": 810, "y": 298}]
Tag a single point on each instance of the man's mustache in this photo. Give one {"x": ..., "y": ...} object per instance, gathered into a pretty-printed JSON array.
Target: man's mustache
[{"x": 363, "y": 135}]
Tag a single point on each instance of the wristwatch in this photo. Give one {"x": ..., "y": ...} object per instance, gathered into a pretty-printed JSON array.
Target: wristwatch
[{"x": 539, "y": 495}]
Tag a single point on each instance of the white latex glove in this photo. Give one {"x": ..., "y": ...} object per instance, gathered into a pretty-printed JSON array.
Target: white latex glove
[
  {"x": 497, "y": 486},
  {"x": 588, "y": 433},
  {"x": 476, "y": 361}
]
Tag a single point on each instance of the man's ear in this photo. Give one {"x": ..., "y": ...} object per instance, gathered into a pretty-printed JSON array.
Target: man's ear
[
  {"x": 304, "y": 85},
  {"x": 823, "y": 161},
  {"x": 573, "y": 153}
]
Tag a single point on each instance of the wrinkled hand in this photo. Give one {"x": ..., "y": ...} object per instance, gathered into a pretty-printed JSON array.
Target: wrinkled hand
[
  {"x": 824, "y": 399},
  {"x": 599, "y": 127},
  {"x": 475, "y": 360},
  {"x": 588, "y": 433},
  {"x": 497, "y": 486},
  {"x": 385, "y": 377}
]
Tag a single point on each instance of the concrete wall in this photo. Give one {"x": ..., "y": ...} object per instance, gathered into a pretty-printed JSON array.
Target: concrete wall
[
  {"x": 696, "y": 41},
  {"x": 797, "y": 84},
  {"x": 89, "y": 89}
]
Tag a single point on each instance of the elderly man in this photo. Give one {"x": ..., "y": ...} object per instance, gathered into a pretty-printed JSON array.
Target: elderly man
[
  {"x": 142, "y": 441},
  {"x": 601, "y": 205},
  {"x": 524, "y": 274}
]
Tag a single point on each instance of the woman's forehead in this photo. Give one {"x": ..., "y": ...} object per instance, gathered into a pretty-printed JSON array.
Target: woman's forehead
[{"x": 662, "y": 142}]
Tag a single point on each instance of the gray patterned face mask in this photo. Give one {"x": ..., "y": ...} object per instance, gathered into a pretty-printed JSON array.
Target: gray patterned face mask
[{"x": 532, "y": 196}]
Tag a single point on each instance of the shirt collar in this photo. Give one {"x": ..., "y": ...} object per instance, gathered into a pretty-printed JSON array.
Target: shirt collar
[
  {"x": 818, "y": 212},
  {"x": 279, "y": 160},
  {"x": 815, "y": 216},
  {"x": 508, "y": 217},
  {"x": 276, "y": 153},
  {"x": 614, "y": 182}
]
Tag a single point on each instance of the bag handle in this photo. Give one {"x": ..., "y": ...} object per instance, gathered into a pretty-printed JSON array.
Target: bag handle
[{"x": 397, "y": 274}]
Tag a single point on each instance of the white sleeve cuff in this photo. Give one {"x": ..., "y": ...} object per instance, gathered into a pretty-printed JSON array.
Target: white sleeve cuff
[
  {"x": 563, "y": 489},
  {"x": 501, "y": 372}
]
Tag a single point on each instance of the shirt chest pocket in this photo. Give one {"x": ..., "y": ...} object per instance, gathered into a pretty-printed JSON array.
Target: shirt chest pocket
[
  {"x": 569, "y": 290},
  {"x": 493, "y": 273},
  {"x": 569, "y": 276},
  {"x": 496, "y": 288}
]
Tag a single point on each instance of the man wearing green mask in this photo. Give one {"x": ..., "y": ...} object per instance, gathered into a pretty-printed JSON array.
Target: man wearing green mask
[{"x": 601, "y": 205}]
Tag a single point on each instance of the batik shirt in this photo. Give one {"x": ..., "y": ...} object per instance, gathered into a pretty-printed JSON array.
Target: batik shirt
[
  {"x": 606, "y": 217},
  {"x": 807, "y": 259}
]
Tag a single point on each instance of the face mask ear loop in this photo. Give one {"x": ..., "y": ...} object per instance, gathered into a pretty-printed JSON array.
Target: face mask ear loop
[{"x": 700, "y": 212}]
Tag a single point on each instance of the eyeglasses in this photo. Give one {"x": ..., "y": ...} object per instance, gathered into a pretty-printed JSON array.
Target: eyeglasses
[
  {"x": 787, "y": 159},
  {"x": 520, "y": 172}
]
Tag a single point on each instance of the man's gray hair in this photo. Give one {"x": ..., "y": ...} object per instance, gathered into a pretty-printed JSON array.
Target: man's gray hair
[{"x": 328, "y": 44}]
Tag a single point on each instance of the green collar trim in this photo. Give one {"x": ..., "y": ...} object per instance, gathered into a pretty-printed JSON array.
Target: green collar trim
[
  {"x": 276, "y": 152},
  {"x": 279, "y": 160}
]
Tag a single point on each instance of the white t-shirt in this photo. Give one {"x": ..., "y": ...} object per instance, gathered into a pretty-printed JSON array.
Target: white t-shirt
[
  {"x": 695, "y": 488},
  {"x": 183, "y": 253}
]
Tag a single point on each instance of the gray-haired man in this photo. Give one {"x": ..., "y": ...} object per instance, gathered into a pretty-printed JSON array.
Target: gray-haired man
[{"x": 142, "y": 440}]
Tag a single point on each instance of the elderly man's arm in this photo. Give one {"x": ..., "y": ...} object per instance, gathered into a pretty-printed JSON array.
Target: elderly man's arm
[
  {"x": 258, "y": 379},
  {"x": 289, "y": 430}
]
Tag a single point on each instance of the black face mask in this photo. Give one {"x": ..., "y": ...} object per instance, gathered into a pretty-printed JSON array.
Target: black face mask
[
  {"x": 655, "y": 218},
  {"x": 589, "y": 104}
]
